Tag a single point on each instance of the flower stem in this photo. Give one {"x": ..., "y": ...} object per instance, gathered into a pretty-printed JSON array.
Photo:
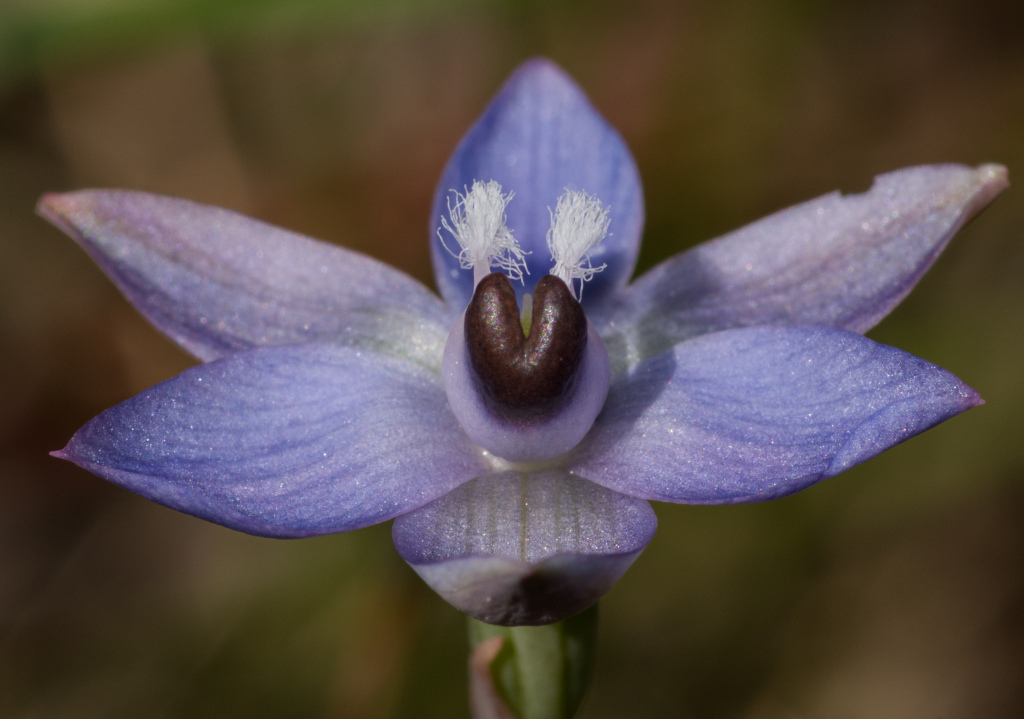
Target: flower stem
[{"x": 531, "y": 672}]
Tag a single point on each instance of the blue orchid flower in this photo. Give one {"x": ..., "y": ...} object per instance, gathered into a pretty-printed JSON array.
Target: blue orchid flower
[{"x": 517, "y": 426}]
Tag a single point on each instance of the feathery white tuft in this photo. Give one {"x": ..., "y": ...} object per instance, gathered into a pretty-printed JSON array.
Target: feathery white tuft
[
  {"x": 578, "y": 223},
  {"x": 478, "y": 225}
]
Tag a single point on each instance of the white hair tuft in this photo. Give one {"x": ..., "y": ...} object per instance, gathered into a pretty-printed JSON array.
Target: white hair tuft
[
  {"x": 478, "y": 226},
  {"x": 578, "y": 223}
]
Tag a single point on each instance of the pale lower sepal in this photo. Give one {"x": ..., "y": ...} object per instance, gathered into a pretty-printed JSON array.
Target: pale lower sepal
[{"x": 525, "y": 548}]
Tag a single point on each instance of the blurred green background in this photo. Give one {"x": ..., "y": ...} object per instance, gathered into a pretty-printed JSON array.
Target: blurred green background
[{"x": 894, "y": 591}]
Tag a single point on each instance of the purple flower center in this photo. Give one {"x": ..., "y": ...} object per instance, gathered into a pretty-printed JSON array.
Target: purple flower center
[{"x": 525, "y": 376}]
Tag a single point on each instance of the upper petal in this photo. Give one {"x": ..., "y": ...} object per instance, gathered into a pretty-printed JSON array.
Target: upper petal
[
  {"x": 539, "y": 136},
  {"x": 285, "y": 441},
  {"x": 525, "y": 548},
  {"x": 752, "y": 414},
  {"x": 217, "y": 282},
  {"x": 835, "y": 261}
]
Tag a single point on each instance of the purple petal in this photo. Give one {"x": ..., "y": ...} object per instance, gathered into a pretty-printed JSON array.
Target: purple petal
[
  {"x": 539, "y": 136},
  {"x": 525, "y": 548},
  {"x": 837, "y": 261},
  {"x": 217, "y": 282},
  {"x": 533, "y": 441},
  {"x": 285, "y": 441},
  {"x": 752, "y": 414}
]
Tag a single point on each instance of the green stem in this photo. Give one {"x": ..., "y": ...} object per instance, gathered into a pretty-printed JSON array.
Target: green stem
[{"x": 541, "y": 672}]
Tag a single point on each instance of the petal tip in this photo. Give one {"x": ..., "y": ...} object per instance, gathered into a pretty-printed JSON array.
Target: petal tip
[
  {"x": 72, "y": 452},
  {"x": 54, "y": 205},
  {"x": 897, "y": 423},
  {"x": 983, "y": 184},
  {"x": 969, "y": 398},
  {"x": 61, "y": 209},
  {"x": 993, "y": 179},
  {"x": 994, "y": 175},
  {"x": 540, "y": 70},
  {"x": 540, "y": 76}
]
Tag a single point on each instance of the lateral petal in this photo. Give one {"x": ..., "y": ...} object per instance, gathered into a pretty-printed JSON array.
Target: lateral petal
[
  {"x": 539, "y": 136},
  {"x": 288, "y": 441},
  {"x": 218, "y": 282},
  {"x": 839, "y": 261},
  {"x": 517, "y": 548},
  {"x": 753, "y": 414}
]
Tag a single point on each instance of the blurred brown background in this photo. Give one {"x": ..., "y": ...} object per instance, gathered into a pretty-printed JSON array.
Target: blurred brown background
[{"x": 894, "y": 591}]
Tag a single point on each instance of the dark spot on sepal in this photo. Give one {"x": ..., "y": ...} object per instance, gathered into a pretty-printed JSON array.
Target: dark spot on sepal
[{"x": 523, "y": 378}]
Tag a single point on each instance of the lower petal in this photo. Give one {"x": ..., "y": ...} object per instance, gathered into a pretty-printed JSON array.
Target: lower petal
[
  {"x": 288, "y": 441},
  {"x": 754, "y": 414},
  {"x": 525, "y": 548}
]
